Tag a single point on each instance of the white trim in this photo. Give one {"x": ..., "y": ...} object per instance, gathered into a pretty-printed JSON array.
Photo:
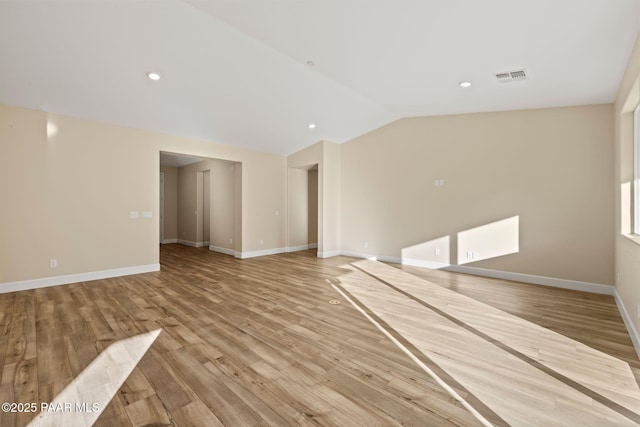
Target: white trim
[
  {"x": 383, "y": 258},
  {"x": 297, "y": 248},
  {"x": 328, "y": 254},
  {"x": 45, "y": 282},
  {"x": 575, "y": 285},
  {"x": 313, "y": 246},
  {"x": 631, "y": 329},
  {"x": 636, "y": 170},
  {"x": 193, "y": 244},
  {"x": 595, "y": 288},
  {"x": 253, "y": 254},
  {"x": 423, "y": 263},
  {"x": 169, "y": 241},
  {"x": 222, "y": 250},
  {"x": 360, "y": 255}
]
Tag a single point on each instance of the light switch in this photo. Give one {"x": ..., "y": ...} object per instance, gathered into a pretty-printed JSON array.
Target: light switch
[
  {"x": 133, "y": 214},
  {"x": 147, "y": 214}
]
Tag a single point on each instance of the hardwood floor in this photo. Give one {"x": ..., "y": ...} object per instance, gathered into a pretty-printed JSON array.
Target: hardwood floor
[{"x": 257, "y": 342}]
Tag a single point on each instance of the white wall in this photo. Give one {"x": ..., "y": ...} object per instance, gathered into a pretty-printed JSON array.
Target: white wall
[
  {"x": 326, "y": 155},
  {"x": 68, "y": 196},
  {"x": 298, "y": 208},
  {"x": 551, "y": 169},
  {"x": 627, "y": 245},
  {"x": 170, "y": 202}
]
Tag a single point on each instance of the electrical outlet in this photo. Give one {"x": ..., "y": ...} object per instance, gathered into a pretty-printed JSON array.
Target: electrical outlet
[
  {"x": 230, "y": 240},
  {"x": 469, "y": 255},
  {"x": 261, "y": 242},
  {"x": 53, "y": 263},
  {"x": 436, "y": 251},
  {"x": 366, "y": 244},
  {"x": 476, "y": 255}
]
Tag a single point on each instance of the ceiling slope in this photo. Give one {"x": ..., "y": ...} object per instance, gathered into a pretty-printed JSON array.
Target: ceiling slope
[{"x": 235, "y": 72}]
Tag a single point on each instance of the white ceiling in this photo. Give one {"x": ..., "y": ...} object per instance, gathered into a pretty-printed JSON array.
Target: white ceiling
[{"x": 236, "y": 72}]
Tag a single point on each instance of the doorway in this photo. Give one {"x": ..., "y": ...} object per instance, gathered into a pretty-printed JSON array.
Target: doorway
[
  {"x": 302, "y": 224},
  {"x": 203, "y": 208},
  {"x": 161, "y": 207},
  {"x": 201, "y": 202}
]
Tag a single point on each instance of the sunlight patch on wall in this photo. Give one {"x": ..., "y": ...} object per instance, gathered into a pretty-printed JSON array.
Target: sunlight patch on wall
[
  {"x": 489, "y": 241},
  {"x": 52, "y": 129},
  {"x": 431, "y": 254}
]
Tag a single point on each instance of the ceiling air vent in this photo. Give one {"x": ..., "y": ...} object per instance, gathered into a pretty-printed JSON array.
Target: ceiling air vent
[{"x": 511, "y": 76}]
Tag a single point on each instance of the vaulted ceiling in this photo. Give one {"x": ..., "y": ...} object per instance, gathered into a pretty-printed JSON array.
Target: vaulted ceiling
[{"x": 256, "y": 73}]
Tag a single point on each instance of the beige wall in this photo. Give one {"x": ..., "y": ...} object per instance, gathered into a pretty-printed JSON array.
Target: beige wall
[
  {"x": 298, "y": 208},
  {"x": 223, "y": 205},
  {"x": 206, "y": 206},
  {"x": 627, "y": 246},
  {"x": 28, "y": 206},
  {"x": 549, "y": 170},
  {"x": 194, "y": 195},
  {"x": 326, "y": 155},
  {"x": 306, "y": 159},
  {"x": 68, "y": 196},
  {"x": 216, "y": 218},
  {"x": 312, "y": 203},
  {"x": 170, "y": 202},
  {"x": 187, "y": 204},
  {"x": 330, "y": 178}
]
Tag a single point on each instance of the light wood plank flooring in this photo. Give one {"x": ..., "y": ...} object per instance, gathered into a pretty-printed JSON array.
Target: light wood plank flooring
[{"x": 257, "y": 342}]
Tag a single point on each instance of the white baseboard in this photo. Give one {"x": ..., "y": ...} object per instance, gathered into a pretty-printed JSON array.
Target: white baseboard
[
  {"x": 169, "y": 241},
  {"x": 193, "y": 244},
  {"x": 595, "y": 288},
  {"x": 45, "y": 282},
  {"x": 423, "y": 263},
  {"x": 575, "y": 285},
  {"x": 631, "y": 329},
  {"x": 297, "y": 248},
  {"x": 222, "y": 250},
  {"x": 253, "y": 254},
  {"x": 313, "y": 246},
  {"x": 328, "y": 254},
  {"x": 360, "y": 255}
]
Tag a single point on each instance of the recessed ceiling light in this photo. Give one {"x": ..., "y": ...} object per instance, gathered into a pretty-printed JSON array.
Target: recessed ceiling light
[
  {"x": 312, "y": 126},
  {"x": 153, "y": 76},
  {"x": 465, "y": 84}
]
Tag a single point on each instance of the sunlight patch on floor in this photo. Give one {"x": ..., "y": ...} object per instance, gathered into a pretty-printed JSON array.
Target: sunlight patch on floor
[
  {"x": 526, "y": 374},
  {"x": 84, "y": 399}
]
